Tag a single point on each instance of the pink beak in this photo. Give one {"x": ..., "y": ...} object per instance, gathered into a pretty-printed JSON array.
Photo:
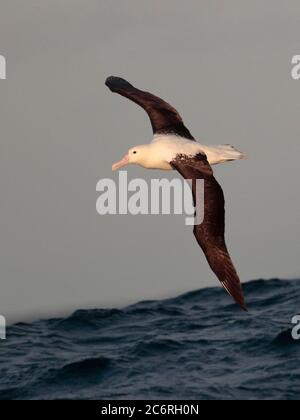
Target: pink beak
[{"x": 123, "y": 162}]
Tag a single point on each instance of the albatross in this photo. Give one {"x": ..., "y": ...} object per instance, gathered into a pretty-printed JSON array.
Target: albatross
[{"x": 174, "y": 148}]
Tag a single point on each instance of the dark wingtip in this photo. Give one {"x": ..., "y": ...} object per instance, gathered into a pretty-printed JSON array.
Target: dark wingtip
[
  {"x": 236, "y": 292},
  {"x": 114, "y": 83}
]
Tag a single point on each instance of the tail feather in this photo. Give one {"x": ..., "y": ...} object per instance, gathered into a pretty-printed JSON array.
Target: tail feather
[{"x": 230, "y": 153}]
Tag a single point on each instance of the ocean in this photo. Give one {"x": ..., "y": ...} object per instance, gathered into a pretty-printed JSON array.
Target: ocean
[{"x": 198, "y": 346}]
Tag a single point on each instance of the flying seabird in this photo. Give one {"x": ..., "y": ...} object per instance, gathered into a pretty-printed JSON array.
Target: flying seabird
[{"x": 174, "y": 148}]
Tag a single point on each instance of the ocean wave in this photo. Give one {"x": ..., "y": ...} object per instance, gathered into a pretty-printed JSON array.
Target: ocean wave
[{"x": 195, "y": 346}]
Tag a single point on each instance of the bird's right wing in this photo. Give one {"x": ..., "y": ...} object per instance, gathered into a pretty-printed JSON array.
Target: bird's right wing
[
  {"x": 164, "y": 118},
  {"x": 210, "y": 235}
]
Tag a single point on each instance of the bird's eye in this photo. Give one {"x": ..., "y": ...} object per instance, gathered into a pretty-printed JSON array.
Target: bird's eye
[{"x": 134, "y": 152}]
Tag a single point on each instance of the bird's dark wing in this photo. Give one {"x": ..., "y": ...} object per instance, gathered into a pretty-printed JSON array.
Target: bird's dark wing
[
  {"x": 210, "y": 234},
  {"x": 164, "y": 118}
]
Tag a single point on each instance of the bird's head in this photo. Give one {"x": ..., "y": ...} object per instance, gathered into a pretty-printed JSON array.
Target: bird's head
[{"x": 137, "y": 155}]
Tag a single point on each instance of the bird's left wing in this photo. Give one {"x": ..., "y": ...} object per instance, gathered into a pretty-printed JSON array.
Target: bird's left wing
[
  {"x": 210, "y": 235},
  {"x": 164, "y": 118}
]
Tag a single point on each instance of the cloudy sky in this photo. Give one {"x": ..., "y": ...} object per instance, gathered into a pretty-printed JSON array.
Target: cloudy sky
[{"x": 226, "y": 66}]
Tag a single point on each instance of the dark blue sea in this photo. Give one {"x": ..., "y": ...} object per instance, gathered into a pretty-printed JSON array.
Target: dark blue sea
[{"x": 197, "y": 346}]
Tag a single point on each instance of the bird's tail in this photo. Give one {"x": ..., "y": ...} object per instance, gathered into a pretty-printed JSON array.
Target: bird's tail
[{"x": 230, "y": 153}]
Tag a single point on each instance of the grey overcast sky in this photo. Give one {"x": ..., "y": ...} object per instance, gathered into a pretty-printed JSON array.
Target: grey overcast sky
[{"x": 226, "y": 66}]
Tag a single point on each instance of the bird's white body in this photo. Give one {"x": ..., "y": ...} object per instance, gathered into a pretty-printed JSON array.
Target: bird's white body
[{"x": 164, "y": 148}]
